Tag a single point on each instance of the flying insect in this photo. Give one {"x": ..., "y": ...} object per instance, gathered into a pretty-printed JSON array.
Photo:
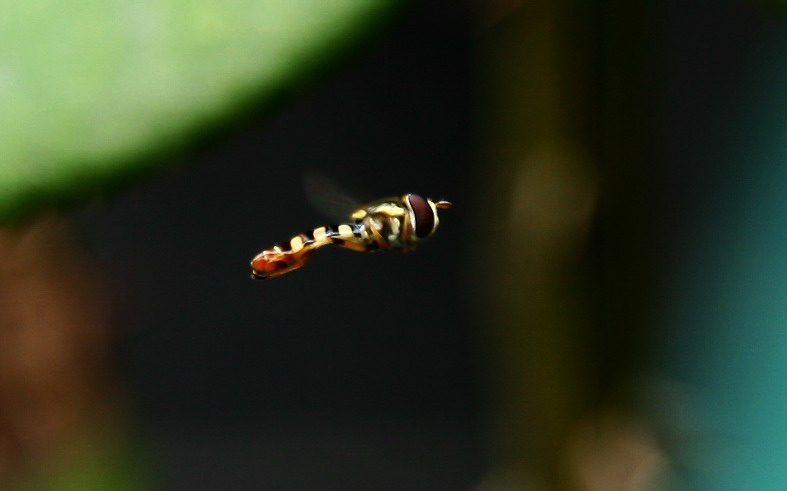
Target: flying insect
[{"x": 389, "y": 224}]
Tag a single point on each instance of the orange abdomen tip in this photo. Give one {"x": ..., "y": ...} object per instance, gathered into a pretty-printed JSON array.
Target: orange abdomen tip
[
  {"x": 270, "y": 264},
  {"x": 263, "y": 264}
]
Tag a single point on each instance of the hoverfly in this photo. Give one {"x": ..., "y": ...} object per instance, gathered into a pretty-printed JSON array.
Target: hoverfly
[{"x": 395, "y": 224}]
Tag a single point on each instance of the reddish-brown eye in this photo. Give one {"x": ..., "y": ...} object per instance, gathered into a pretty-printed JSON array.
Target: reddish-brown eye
[{"x": 424, "y": 216}]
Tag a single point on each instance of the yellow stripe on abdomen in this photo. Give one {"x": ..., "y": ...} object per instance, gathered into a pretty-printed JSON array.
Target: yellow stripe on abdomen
[{"x": 296, "y": 243}]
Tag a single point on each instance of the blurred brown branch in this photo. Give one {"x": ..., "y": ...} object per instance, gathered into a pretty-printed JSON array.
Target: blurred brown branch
[{"x": 53, "y": 345}]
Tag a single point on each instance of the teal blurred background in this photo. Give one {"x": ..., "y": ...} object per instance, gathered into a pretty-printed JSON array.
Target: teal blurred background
[
  {"x": 604, "y": 308},
  {"x": 722, "y": 311}
]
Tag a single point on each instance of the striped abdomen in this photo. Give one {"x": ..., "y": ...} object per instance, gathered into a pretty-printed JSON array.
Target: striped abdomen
[{"x": 293, "y": 254}]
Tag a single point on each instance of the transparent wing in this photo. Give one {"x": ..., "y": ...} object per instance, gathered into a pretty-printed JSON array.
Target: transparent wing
[{"x": 327, "y": 197}]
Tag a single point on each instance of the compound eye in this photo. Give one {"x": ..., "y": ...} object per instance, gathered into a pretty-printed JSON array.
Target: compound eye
[{"x": 423, "y": 214}]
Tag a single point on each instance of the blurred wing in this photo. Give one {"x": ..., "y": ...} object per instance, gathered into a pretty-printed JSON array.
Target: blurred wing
[{"x": 327, "y": 197}]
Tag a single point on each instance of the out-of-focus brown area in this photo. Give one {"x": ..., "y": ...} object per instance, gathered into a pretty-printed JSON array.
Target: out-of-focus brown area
[
  {"x": 553, "y": 137},
  {"x": 55, "y": 391},
  {"x": 613, "y": 451}
]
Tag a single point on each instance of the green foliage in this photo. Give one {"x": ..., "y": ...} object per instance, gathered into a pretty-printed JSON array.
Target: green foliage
[{"x": 91, "y": 90}]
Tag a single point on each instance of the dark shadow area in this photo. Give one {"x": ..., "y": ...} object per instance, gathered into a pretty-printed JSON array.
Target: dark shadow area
[{"x": 357, "y": 372}]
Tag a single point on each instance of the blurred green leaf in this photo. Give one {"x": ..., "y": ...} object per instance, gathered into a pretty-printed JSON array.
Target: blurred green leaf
[{"x": 91, "y": 90}]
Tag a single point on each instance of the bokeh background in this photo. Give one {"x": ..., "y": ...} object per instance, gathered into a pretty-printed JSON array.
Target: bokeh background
[{"x": 604, "y": 308}]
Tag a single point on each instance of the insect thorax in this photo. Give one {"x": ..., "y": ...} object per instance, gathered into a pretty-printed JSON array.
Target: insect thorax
[{"x": 387, "y": 224}]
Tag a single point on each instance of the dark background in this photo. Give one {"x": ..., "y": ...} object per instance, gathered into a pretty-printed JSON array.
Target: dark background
[
  {"x": 376, "y": 372},
  {"x": 357, "y": 372}
]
